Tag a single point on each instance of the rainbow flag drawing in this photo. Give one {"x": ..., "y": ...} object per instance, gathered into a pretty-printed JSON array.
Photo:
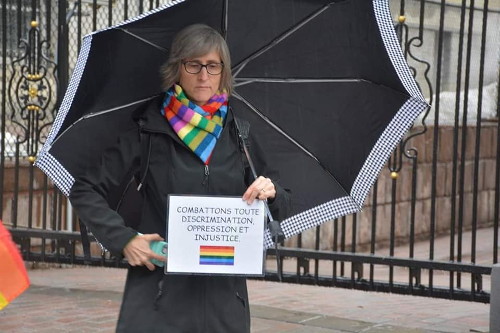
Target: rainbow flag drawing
[{"x": 216, "y": 255}]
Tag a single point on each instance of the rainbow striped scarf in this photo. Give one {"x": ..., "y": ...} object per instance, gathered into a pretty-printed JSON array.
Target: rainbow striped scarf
[{"x": 198, "y": 127}]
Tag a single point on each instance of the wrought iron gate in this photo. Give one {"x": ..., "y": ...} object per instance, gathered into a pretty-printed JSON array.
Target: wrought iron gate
[{"x": 430, "y": 225}]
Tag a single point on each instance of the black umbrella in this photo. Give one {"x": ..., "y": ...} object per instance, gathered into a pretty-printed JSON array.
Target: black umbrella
[{"x": 323, "y": 83}]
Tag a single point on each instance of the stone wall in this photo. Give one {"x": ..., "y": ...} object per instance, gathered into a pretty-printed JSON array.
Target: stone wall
[
  {"x": 423, "y": 145},
  {"x": 24, "y": 204}
]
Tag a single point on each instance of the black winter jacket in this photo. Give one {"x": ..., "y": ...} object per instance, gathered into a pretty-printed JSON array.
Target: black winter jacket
[{"x": 186, "y": 303}]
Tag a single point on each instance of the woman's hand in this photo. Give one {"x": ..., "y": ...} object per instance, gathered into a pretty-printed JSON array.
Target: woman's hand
[
  {"x": 262, "y": 188},
  {"x": 138, "y": 252}
]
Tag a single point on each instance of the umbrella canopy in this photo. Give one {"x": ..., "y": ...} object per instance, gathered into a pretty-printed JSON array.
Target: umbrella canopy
[
  {"x": 13, "y": 276},
  {"x": 323, "y": 83}
]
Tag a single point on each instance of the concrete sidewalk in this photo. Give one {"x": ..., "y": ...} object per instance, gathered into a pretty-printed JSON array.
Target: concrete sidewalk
[{"x": 87, "y": 299}]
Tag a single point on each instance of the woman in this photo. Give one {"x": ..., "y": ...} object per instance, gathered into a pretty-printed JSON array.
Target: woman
[{"x": 197, "y": 80}]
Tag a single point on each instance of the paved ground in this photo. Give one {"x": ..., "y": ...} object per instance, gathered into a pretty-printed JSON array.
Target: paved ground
[{"x": 85, "y": 299}]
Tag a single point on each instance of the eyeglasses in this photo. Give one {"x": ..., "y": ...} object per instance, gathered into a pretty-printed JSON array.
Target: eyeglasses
[{"x": 193, "y": 67}]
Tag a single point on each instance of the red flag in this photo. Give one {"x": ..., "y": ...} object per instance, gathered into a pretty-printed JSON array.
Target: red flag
[{"x": 13, "y": 276}]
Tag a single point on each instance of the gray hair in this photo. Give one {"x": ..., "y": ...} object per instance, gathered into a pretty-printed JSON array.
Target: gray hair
[{"x": 194, "y": 41}]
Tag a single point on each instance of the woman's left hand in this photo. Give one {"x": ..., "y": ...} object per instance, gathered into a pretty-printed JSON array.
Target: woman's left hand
[{"x": 262, "y": 188}]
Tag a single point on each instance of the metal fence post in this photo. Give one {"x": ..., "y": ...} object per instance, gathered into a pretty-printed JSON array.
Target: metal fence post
[
  {"x": 62, "y": 50},
  {"x": 495, "y": 299}
]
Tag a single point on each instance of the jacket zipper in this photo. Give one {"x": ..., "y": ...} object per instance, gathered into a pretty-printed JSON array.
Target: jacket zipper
[
  {"x": 205, "y": 178},
  {"x": 205, "y": 181}
]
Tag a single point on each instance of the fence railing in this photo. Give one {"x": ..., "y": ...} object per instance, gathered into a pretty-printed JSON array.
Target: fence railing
[{"x": 429, "y": 226}]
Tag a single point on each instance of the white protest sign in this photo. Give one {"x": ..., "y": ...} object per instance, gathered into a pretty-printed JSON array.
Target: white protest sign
[{"x": 215, "y": 235}]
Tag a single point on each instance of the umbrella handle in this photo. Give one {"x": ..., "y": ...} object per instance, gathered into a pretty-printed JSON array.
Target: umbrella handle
[
  {"x": 274, "y": 226},
  {"x": 277, "y": 233}
]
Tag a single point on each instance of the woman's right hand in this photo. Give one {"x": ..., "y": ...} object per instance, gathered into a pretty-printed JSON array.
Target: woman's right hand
[{"x": 138, "y": 252}]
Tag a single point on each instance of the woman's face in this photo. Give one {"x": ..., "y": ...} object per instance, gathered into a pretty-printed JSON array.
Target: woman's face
[{"x": 200, "y": 87}]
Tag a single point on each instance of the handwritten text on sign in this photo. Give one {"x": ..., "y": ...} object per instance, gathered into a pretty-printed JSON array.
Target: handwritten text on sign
[{"x": 215, "y": 235}]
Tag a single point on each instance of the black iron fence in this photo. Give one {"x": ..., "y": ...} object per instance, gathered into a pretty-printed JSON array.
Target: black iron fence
[{"x": 430, "y": 224}]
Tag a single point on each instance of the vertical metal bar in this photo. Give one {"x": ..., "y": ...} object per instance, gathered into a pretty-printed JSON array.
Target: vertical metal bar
[
  {"x": 399, "y": 25},
  {"x": 435, "y": 144},
  {"x": 141, "y": 6},
  {"x": 60, "y": 212},
  {"x": 412, "y": 214},
  {"x": 224, "y": 22},
  {"x": 477, "y": 148},
  {"x": 392, "y": 230},
  {"x": 28, "y": 248},
  {"x": 15, "y": 199},
  {"x": 94, "y": 15},
  {"x": 478, "y": 144},
  {"x": 405, "y": 40},
  {"x": 44, "y": 212},
  {"x": 4, "y": 100},
  {"x": 48, "y": 23},
  {"x": 125, "y": 10},
  {"x": 53, "y": 221},
  {"x": 421, "y": 24},
  {"x": 497, "y": 182},
  {"x": 353, "y": 246},
  {"x": 393, "y": 166},
  {"x": 79, "y": 26},
  {"x": 335, "y": 247},
  {"x": 373, "y": 237},
  {"x": 43, "y": 250},
  {"x": 19, "y": 20},
  {"x": 462, "y": 157},
  {"x": 33, "y": 10},
  {"x": 31, "y": 51},
  {"x": 454, "y": 190},
  {"x": 342, "y": 244},
  {"x": 354, "y": 232},
  {"x": 30, "y": 195},
  {"x": 316, "y": 247},
  {"x": 58, "y": 253},
  {"x": 62, "y": 50},
  {"x": 110, "y": 13},
  {"x": 464, "y": 125},
  {"x": 299, "y": 245}
]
